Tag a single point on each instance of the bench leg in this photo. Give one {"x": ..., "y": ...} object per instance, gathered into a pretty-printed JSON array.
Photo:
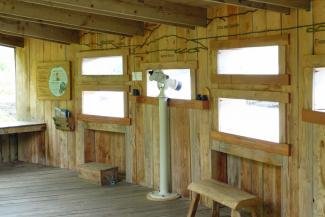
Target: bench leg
[
  {"x": 194, "y": 205},
  {"x": 253, "y": 212},
  {"x": 235, "y": 213},
  {"x": 215, "y": 209}
]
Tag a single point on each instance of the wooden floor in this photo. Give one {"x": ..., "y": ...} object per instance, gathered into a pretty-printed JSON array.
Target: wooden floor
[{"x": 33, "y": 190}]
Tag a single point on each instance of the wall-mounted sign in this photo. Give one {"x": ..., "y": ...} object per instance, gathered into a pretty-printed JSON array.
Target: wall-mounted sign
[
  {"x": 53, "y": 81},
  {"x": 58, "y": 81}
]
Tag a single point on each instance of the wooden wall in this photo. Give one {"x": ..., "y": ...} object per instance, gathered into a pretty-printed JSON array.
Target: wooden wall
[
  {"x": 27, "y": 147},
  {"x": 105, "y": 147},
  {"x": 297, "y": 189}
]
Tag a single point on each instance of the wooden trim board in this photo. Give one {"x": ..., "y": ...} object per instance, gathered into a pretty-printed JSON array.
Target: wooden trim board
[
  {"x": 252, "y": 95},
  {"x": 178, "y": 103},
  {"x": 255, "y": 144},
  {"x": 189, "y": 104},
  {"x": 252, "y": 79},
  {"x": 193, "y": 65},
  {"x": 313, "y": 116},
  {"x": 256, "y": 155},
  {"x": 251, "y": 42},
  {"x": 101, "y": 119}
]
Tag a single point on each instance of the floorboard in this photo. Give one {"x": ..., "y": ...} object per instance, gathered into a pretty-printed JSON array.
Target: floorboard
[{"x": 35, "y": 190}]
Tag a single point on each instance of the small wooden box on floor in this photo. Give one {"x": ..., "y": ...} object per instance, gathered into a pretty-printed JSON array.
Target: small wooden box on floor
[{"x": 99, "y": 173}]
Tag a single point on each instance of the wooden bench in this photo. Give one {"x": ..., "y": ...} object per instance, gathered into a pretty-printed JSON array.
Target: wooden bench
[
  {"x": 222, "y": 194},
  {"x": 99, "y": 173}
]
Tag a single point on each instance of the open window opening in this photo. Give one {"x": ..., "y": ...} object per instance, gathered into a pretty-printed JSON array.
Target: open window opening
[
  {"x": 250, "y": 118},
  {"x": 182, "y": 75},
  {"x": 319, "y": 89},
  {"x": 107, "y": 65},
  {"x": 7, "y": 84},
  {"x": 104, "y": 103},
  {"x": 262, "y": 60}
]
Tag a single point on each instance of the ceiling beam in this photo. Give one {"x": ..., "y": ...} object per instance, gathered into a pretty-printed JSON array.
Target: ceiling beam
[
  {"x": 69, "y": 19},
  {"x": 257, "y": 5},
  {"x": 40, "y": 31},
  {"x": 155, "y": 11},
  {"x": 11, "y": 41},
  {"x": 303, "y": 4}
]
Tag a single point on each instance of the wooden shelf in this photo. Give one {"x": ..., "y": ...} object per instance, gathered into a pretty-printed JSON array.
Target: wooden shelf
[
  {"x": 178, "y": 103},
  {"x": 313, "y": 116},
  {"x": 21, "y": 127},
  {"x": 102, "y": 119},
  {"x": 254, "y": 144}
]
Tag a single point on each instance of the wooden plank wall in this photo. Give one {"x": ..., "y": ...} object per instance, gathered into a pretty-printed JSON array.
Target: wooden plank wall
[
  {"x": 295, "y": 190},
  {"x": 9, "y": 148},
  {"x": 105, "y": 147},
  {"x": 27, "y": 147}
]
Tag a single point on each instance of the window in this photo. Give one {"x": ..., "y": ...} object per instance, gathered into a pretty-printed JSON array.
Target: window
[
  {"x": 182, "y": 75},
  {"x": 249, "y": 61},
  {"x": 109, "y": 65},
  {"x": 250, "y": 118},
  {"x": 7, "y": 84},
  {"x": 319, "y": 89},
  {"x": 103, "y": 103}
]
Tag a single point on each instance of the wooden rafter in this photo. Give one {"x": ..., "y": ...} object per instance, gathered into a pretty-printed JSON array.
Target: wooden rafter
[
  {"x": 303, "y": 4},
  {"x": 12, "y": 41},
  {"x": 41, "y": 31},
  {"x": 156, "y": 11},
  {"x": 253, "y": 4},
  {"x": 69, "y": 19}
]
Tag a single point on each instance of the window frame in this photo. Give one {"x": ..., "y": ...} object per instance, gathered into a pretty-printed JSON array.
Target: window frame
[
  {"x": 282, "y": 98},
  {"x": 237, "y": 79},
  {"x": 103, "y": 79},
  {"x": 99, "y": 90},
  {"x": 308, "y": 114},
  {"x": 171, "y": 65},
  {"x": 103, "y": 83},
  {"x": 238, "y": 98}
]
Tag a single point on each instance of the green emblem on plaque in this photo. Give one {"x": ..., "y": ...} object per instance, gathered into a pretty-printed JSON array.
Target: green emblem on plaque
[{"x": 58, "y": 81}]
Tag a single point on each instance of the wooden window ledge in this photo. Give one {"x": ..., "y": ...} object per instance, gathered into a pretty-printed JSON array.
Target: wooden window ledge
[
  {"x": 313, "y": 116},
  {"x": 102, "y": 119},
  {"x": 255, "y": 144},
  {"x": 178, "y": 103}
]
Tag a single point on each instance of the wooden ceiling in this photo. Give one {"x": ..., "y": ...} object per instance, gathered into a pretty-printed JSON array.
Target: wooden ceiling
[{"x": 62, "y": 20}]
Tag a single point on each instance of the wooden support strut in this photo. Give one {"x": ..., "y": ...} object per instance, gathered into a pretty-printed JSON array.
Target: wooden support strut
[
  {"x": 69, "y": 19},
  {"x": 40, "y": 31},
  {"x": 157, "y": 11}
]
